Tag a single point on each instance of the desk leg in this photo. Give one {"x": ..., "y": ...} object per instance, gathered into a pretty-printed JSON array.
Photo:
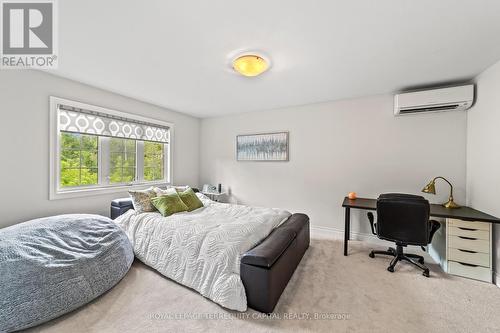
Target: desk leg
[{"x": 347, "y": 228}]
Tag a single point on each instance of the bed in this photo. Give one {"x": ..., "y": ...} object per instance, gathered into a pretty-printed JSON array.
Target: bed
[{"x": 235, "y": 255}]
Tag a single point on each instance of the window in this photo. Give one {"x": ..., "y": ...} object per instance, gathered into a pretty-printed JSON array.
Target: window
[
  {"x": 153, "y": 161},
  {"x": 122, "y": 161},
  {"x": 79, "y": 164},
  {"x": 95, "y": 149}
]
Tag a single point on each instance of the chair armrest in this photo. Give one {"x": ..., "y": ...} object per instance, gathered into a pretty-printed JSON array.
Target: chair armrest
[
  {"x": 122, "y": 202},
  {"x": 434, "y": 226},
  {"x": 266, "y": 253},
  {"x": 120, "y": 206},
  {"x": 371, "y": 219}
]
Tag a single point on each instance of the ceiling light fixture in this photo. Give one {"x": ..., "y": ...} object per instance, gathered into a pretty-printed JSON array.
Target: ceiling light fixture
[{"x": 250, "y": 65}]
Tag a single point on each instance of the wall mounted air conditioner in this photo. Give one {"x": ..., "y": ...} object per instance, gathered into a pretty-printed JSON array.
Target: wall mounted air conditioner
[{"x": 435, "y": 100}]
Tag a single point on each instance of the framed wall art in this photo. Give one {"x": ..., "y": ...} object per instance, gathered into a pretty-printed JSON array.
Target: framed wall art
[{"x": 262, "y": 147}]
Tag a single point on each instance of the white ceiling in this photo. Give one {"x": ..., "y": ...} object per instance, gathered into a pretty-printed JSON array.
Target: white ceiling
[{"x": 176, "y": 53}]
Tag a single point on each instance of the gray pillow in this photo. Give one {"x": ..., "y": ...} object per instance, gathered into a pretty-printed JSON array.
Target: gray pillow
[{"x": 142, "y": 200}]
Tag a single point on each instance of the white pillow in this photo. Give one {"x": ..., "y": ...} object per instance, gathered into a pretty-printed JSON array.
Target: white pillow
[
  {"x": 179, "y": 188},
  {"x": 159, "y": 191},
  {"x": 202, "y": 197}
]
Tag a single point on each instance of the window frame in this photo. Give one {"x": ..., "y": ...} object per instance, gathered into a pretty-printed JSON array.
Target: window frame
[
  {"x": 80, "y": 150},
  {"x": 103, "y": 187},
  {"x": 106, "y": 154},
  {"x": 143, "y": 156}
]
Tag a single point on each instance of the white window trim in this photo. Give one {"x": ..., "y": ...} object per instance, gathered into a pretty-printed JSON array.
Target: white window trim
[{"x": 55, "y": 192}]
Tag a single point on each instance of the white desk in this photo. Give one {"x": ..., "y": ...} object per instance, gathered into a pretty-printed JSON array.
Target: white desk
[{"x": 463, "y": 248}]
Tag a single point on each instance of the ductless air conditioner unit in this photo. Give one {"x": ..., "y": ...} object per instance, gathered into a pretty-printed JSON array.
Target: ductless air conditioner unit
[{"x": 443, "y": 99}]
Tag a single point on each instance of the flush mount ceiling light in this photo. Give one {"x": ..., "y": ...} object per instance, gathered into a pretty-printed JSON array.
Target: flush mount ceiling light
[{"x": 250, "y": 64}]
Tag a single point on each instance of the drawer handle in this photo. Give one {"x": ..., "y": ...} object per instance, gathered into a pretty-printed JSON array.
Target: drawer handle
[
  {"x": 470, "y": 265},
  {"x": 468, "y": 251},
  {"x": 469, "y": 238},
  {"x": 468, "y": 229}
]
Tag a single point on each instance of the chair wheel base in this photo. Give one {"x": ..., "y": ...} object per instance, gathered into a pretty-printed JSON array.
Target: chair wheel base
[{"x": 398, "y": 255}]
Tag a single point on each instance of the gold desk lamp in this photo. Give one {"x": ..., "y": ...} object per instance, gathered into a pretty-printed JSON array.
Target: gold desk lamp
[{"x": 431, "y": 188}]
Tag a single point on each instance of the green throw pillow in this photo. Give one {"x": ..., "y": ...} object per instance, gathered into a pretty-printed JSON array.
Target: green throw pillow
[
  {"x": 190, "y": 199},
  {"x": 169, "y": 204}
]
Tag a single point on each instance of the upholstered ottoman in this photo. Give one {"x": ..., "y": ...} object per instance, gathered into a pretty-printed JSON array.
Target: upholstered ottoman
[{"x": 53, "y": 265}]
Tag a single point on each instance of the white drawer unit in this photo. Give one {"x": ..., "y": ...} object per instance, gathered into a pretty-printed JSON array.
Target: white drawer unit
[
  {"x": 469, "y": 257},
  {"x": 468, "y": 224},
  {"x": 469, "y": 233},
  {"x": 468, "y": 243},
  {"x": 468, "y": 271},
  {"x": 468, "y": 249}
]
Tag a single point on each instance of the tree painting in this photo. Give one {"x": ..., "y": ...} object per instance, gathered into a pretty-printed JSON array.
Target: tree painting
[{"x": 262, "y": 147}]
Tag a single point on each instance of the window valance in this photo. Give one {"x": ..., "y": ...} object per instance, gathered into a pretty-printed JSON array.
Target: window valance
[{"x": 76, "y": 120}]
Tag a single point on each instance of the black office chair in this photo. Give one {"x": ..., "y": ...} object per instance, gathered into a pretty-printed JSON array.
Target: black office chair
[{"x": 403, "y": 219}]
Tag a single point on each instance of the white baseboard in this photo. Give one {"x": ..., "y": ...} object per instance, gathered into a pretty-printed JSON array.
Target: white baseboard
[
  {"x": 338, "y": 234},
  {"x": 496, "y": 278}
]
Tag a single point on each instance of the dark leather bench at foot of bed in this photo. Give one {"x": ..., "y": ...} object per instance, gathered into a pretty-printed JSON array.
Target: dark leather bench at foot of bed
[{"x": 266, "y": 269}]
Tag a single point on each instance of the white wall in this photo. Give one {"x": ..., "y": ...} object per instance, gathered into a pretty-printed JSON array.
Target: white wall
[
  {"x": 24, "y": 137},
  {"x": 483, "y": 149},
  {"x": 337, "y": 147}
]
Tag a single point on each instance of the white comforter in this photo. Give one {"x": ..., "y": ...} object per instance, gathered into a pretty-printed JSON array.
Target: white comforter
[{"x": 202, "y": 249}]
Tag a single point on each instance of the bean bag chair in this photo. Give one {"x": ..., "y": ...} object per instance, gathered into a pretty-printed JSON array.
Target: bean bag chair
[{"x": 51, "y": 266}]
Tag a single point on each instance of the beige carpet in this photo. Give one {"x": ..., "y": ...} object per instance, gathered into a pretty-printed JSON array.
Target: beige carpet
[{"x": 356, "y": 293}]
